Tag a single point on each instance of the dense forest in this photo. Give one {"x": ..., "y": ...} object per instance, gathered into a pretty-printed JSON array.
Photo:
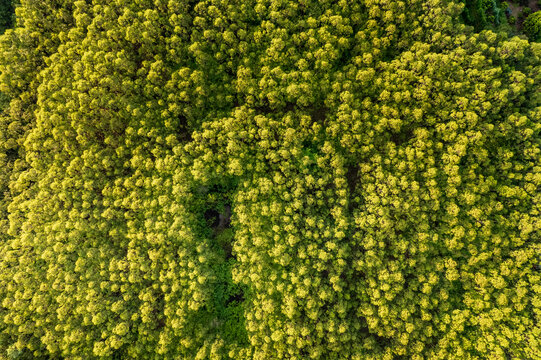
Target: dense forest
[{"x": 270, "y": 179}]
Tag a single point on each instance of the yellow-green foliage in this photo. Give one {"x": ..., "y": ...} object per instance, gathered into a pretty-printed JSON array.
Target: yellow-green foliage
[
  {"x": 532, "y": 26},
  {"x": 381, "y": 164}
]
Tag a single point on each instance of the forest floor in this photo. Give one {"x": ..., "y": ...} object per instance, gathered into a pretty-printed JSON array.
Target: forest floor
[{"x": 516, "y": 9}]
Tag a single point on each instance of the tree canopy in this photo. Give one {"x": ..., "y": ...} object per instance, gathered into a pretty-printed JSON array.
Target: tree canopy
[{"x": 267, "y": 179}]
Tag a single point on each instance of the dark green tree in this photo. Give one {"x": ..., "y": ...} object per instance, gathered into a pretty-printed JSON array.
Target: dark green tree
[
  {"x": 7, "y": 15},
  {"x": 532, "y": 26}
]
